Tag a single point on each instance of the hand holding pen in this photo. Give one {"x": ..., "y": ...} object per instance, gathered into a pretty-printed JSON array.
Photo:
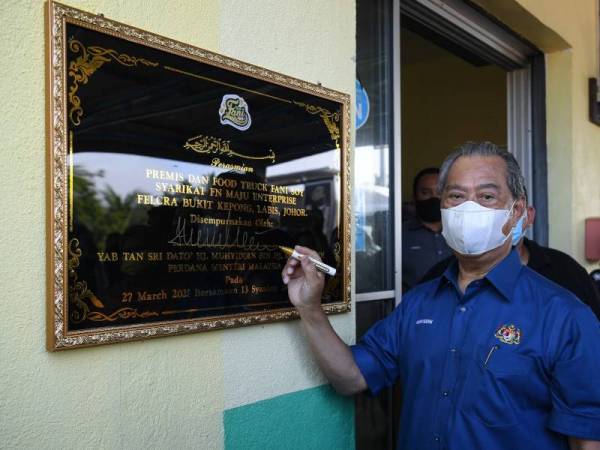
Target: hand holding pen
[
  {"x": 304, "y": 282},
  {"x": 319, "y": 265}
]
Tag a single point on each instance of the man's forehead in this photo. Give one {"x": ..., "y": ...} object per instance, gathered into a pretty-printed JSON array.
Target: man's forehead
[{"x": 478, "y": 170}]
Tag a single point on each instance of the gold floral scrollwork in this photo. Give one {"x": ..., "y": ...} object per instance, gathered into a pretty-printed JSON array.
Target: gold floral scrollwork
[
  {"x": 88, "y": 62},
  {"x": 330, "y": 119},
  {"x": 78, "y": 290},
  {"x": 123, "y": 313},
  {"x": 337, "y": 252},
  {"x": 216, "y": 145}
]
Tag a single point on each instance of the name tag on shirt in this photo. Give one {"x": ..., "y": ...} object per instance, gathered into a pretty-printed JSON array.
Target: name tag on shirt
[{"x": 424, "y": 322}]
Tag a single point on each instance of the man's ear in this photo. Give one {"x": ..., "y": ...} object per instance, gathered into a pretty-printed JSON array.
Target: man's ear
[
  {"x": 530, "y": 216},
  {"x": 518, "y": 210}
]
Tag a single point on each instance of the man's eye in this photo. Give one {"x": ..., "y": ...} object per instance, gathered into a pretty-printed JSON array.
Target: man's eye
[
  {"x": 455, "y": 196},
  {"x": 488, "y": 197}
]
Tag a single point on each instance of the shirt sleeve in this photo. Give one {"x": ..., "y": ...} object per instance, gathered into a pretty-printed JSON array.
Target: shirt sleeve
[
  {"x": 575, "y": 385},
  {"x": 377, "y": 354}
]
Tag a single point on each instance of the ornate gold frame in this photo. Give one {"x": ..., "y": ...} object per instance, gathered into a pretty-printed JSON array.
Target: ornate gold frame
[{"x": 57, "y": 141}]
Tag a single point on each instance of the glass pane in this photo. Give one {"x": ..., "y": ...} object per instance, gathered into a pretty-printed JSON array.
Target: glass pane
[
  {"x": 185, "y": 180},
  {"x": 372, "y": 195}
]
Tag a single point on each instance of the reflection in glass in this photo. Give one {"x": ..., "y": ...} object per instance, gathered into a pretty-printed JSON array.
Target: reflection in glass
[{"x": 184, "y": 180}]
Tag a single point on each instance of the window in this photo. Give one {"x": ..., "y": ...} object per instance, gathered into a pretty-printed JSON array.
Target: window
[{"x": 373, "y": 193}]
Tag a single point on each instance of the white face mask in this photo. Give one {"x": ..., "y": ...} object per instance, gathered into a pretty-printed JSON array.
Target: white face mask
[{"x": 472, "y": 229}]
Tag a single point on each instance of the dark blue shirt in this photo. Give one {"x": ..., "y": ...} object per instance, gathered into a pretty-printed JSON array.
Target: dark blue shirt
[
  {"x": 421, "y": 250},
  {"x": 514, "y": 363}
]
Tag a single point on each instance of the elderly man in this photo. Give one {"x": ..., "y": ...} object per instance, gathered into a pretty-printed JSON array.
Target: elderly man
[
  {"x": 490, "y": 355},
  {"x": 551, "y": 263}
]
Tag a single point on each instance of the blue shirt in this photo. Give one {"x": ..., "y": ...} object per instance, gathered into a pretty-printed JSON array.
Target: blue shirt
[
  {"x": 421, "y": 250},
  {"x": 514, "y": 363}
]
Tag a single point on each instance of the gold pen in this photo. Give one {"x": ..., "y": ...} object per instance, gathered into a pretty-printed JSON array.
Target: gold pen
[{"x": 320, "y": 266}]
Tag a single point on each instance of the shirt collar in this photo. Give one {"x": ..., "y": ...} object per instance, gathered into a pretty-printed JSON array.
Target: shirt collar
[
  {"x": 503, "y": 277},
  {"x": 450, "y": 275}
]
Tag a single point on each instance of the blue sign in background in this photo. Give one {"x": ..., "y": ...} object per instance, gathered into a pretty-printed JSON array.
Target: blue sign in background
[{"x": 362, "y": 105}]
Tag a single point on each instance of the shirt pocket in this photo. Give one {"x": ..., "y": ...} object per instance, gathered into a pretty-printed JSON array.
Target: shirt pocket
[{"x": 496, "y": 378}]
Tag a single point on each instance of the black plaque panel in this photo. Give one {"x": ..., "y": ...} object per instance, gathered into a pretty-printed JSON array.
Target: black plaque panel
[{"x": 185, "y": 174}]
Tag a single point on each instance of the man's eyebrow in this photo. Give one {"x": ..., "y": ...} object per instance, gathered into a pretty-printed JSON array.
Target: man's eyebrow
[{"x": 488, "y": 186}]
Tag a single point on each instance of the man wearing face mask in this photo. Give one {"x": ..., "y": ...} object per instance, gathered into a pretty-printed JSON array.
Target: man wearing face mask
[
  {"x": 490, "y": 355},
  {"x": 552, "y": 264},
  {"x": 422, "y": 242}
]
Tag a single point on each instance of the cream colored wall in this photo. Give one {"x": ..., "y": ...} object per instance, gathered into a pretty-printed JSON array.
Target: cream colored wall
[
  {"x": 446, "y": 101},
  {"x": 165, "y": 393},
  {"x": 567, "y": 31},
  {"x": 315, "y": 41}
]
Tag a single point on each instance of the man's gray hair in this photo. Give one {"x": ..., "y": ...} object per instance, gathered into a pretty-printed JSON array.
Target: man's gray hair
[{"x": 514, "y": 178}]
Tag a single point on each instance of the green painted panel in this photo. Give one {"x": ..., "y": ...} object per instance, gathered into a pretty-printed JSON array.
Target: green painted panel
[{"x": 316, "y": 418}]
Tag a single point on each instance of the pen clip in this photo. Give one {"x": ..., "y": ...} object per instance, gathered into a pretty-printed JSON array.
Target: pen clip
[{"x": 490, "y": 353}]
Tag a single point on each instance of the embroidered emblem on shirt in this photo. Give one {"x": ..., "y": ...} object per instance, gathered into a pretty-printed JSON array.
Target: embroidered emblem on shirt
[
  {"x": 508, "y": 334},
  {"x": 425, "y": 321}
]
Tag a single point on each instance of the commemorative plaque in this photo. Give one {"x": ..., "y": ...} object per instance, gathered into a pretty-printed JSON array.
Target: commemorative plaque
[{"x": 175, "y": 175}]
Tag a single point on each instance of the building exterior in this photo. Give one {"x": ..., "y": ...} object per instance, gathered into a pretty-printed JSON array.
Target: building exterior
[
  {"x": 196, "y": 391},
  {"x": 568, "y": 36},
  {"x": 256, "y": 387}
]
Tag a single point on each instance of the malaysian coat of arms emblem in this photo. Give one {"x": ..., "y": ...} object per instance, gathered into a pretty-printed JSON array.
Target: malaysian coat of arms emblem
[{"x": 508, "y": 334}]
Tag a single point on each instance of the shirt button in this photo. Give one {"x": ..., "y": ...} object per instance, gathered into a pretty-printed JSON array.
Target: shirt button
[
  {"x": 445, "y": 394},
  {"x": 462, "y": 309},
  {"x": 453, "y": 350},
  {"x": 436, "y": 439},
  {"x": 439, "y": 252}
]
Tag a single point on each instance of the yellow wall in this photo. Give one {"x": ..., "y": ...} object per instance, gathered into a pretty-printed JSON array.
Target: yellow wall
[
  {"x": 165, "y": 393},
  {"x": 445, "y": 102},
  {"x": 567, "y": 31}
]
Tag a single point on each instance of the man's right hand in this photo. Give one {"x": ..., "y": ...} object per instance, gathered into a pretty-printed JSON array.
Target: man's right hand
[
  {"x": 304, "y": 282},
  {"x": 305, "y": 287}
]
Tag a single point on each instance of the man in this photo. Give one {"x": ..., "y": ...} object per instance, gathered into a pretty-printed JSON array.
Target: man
[
  {"x": 490, "y": 355},
  {"x": 553, "y": 264},
  {"x": 422, "y": 242}
]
